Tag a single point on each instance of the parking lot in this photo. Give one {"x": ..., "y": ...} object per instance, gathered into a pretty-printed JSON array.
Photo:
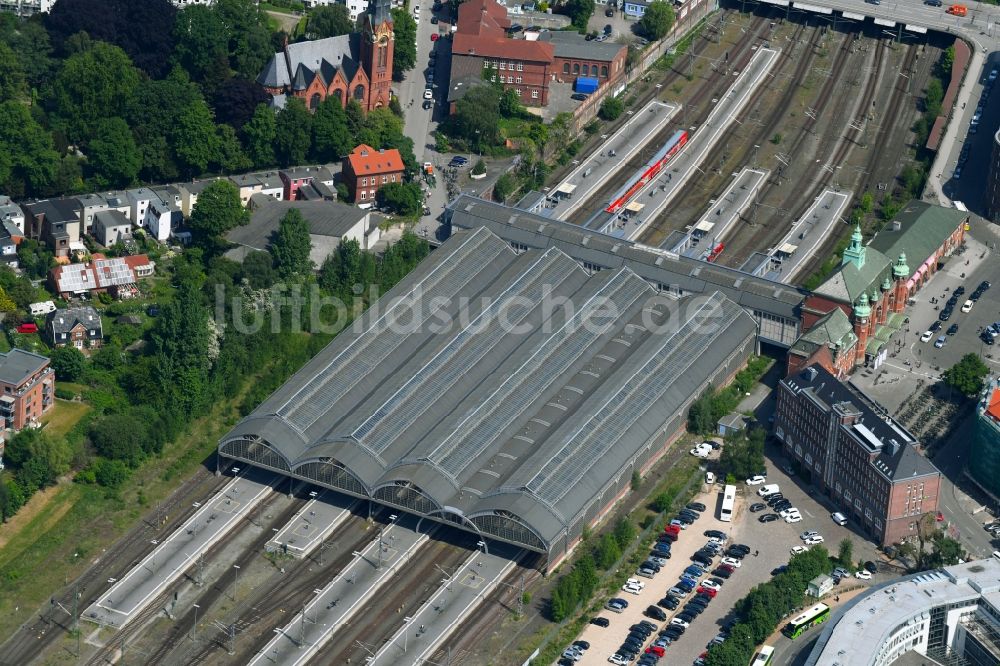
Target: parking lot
[{"x": 770, "y": 545}]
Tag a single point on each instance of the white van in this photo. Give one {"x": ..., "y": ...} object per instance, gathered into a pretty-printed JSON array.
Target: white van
[
  {"x": 769, "y": 489},
  {"x": 839, "y": 518},
  {"x": 42, "y": 308}
]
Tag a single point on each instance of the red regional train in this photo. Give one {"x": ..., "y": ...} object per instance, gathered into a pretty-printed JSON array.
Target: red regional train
[{"x": 648, "y": 172}]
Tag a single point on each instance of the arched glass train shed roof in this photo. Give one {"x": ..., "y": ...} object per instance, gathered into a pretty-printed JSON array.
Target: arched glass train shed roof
[{"x": 509, "y": 394}]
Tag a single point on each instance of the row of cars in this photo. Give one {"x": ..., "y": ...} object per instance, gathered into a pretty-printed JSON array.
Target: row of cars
[
  {"x": 701, "y": 594},
  {"x": 987, "y": 335},
  {"x": 778, "y": 503}
]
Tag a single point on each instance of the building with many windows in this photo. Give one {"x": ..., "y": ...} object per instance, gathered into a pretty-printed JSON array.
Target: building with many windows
[
  {"x": 855, "y": 453},
  {"x": 27, "y": 388},
  {"x": 984, "y": 466},
  {"x": 527, "y": 65},
  {"x": 946, "y": 616},
  {"x": 366, "y": 170}
]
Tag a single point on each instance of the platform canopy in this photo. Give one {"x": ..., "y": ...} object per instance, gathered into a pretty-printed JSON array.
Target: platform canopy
[
  {"x": 566, "y": 188},
  {"x": 812, "y": 8},
  {"x": 916, "y": 28},
  {"x": 704, "y": 226},
  {"x": 886, "y": 22},
  {"x": 634, "y": 207},
  {"x": 787, "y": 248},
  {"x": 853, "y": 16}
]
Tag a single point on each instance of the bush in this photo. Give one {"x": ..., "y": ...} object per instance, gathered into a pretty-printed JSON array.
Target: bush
[
  {"x": 611, "y": 108},
  {"x": 110, "y": 473},
  {"x": 479, "y": 169},
  {"x": 65, "y": 394}
]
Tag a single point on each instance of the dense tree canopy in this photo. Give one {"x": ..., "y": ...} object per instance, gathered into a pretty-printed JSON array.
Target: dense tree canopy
[
  {"x": 579, "y": 12},
  {"x": 329, "y": 21},
  {"x": 142, "y": 29},
  {"x": 236, "y": 100},
  {"x": 658, "y": 19},
  {"x": 477, "y": 117},
  {"x": 291, "y": 245},
  {"x": 401, "y": 198},
  {"x": 113, "y": 154},
  {"x": 404, "y": 50},
  {"x": 68, "y": 363},
  {"x": 217, "y": 210},
  {"x": 967, "y": 375},
  {"x": 27, "y": 160}
]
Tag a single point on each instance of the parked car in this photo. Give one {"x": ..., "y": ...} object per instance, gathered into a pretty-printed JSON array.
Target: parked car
[
  {"x": 601, "y": 621},
  {"x": 768, "y": 518},
  {"x": 697, "y": 506},
  {"x": 862, "y": 575},
  {"x": 756, "y": 480},
  {"x": 616, "y": 605},
  {"x": 732, "y": 561},
  {"x": 580, "y": 97}
]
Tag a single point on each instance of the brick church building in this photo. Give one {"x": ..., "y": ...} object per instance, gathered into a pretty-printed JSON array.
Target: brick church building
[{"x": 356, "y": 66}]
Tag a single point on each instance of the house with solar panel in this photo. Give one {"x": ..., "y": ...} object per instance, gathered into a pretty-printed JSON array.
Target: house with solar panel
[{"x": 118, "y": 276}]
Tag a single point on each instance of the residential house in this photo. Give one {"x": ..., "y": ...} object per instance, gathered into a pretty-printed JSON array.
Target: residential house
[
  {"x": 78, "y": 327},
  {"x": 111, "y": 227},
  {"x": 635, "y": 8},
  {"x": 139, "y": 200},
  {"x": 25, "y": 8},
  {"x": 90, "y": 205},
  {"x": 10, "y": 237},
  {"x": 11, "y": 212},
  {"x": 297, "y": 178},
  {"x": 329, "y": 222},
  {"x": 117, "y": 276},
  {"x": 189, "y": 194},
  {"x": 118, "y": 200},
  {"x": 161, "y": 216},
  {"x": 856, "y": 454},
  {"x": 367, "y": 169},
  {"x": 56, "y": 222},
  {"x": 271, "y": 185},
  {"x": 248, "y": 184},
  {"x": 27, "y": 388}
]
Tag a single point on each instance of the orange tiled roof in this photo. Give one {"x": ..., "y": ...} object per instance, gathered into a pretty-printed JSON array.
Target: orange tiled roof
[
  {"x": 366, "y": 160},
  {"x": 994, "y": 408}
]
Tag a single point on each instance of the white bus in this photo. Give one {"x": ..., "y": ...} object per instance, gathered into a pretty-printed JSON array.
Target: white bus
[
  {"x": 728, "y": 500},
  {"x": 763, "y": 657}
]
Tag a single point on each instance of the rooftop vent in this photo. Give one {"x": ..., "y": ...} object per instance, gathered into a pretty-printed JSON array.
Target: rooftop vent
[{"x": 810, "y": 373}]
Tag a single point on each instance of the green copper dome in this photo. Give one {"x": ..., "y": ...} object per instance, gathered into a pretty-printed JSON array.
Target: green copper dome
[
  {"x": 900, "y": 269},
  {"x": 862, "y": 310}
]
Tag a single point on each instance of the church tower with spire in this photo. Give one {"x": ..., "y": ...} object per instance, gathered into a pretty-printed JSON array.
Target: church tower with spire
[{"x": 377, "y": 41}]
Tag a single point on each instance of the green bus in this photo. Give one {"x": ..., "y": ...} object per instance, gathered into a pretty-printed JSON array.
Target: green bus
[{"x": 815, "y": 615}]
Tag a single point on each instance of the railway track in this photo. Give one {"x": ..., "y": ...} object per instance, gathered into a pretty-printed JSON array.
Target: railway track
[
  {"x": 267, "y": 606},
  {"x": 896, "y": 98},
  {"x": 135, "y": 627},
  {"x": 379, "y": 619},
  {"x": 667, "y": 221},
  {"x": 28, "y": 643},
  {"x": 800, "y": 189},
  {"x": 695, "y": 111}
]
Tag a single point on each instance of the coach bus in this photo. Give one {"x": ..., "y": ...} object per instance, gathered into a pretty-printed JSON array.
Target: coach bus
[
  {"x": 818, "y": 614},
  {"x": 728, "y": 500},
  {"x": 763, "y": 657}
]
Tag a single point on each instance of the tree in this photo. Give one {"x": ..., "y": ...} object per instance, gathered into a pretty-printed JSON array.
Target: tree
[
  {"x": 33, "y": 444},
  {"x": 330, "y": 21},
  {"x": 153, "y": 116},
  {"x": 611, "y": 108},
  {"x": 143, "y": 30},
  {"x": 742, "y": 456},
  {"x": 201, "y": 37},
  {"x": 179, "y": 348},
  {"x": 404, "y": 49},
  {"x": 477, "y": 117},
  {"x": 967, "y": 375},
  {"x": 403, "y": 199},
  {"x": 258, "y": 269},
  {"x": 13, "y": 84},
  {"x": 947, "y": 551},
  {"x": 657, "y": 21},
  {"x": 235, "y": 101},
  {"x": 259, "y": 135},
  {"x": 700, "y": 419},
  {"x": 504, "y": 187},
  {"x": 217, "y": 210},
  {"x": 291, "y": 245},
  {"x": 90, "y": 87},
  {"x": 293, "y": 127},
  {"x": 933, "y": 95},
  {"x": 624, "y": 533},
  {"x": 30, "y": 43},
  {"x": 119, "y": 437},
  {"x": 113, "y": 154},
  {"x": 110, "y": 473},
  {"x": 331, "y": 138},
  {"x": 579, "y": 12},
  {"x": 845, "y": 553},
  {"x": 607, "y": 551},
  {"x": 68, "y": 363},
  {"x": 230, "y": 157},
  {"x": 27, "y": 160},
  {"x": 194, "y": 138}
]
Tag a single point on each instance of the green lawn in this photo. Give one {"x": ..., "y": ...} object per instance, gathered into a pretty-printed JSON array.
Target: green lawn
[{"x": 64, "y": 415}]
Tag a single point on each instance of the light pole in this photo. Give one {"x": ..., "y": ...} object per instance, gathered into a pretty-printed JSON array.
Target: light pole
[
  {"x": 236, "y": 581},
  {"x": 194, "y": 625},
  {"x": 381, "y": 543}
]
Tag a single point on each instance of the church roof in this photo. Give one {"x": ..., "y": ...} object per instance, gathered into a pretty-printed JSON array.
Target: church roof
[{"x": 299, "y": 63}]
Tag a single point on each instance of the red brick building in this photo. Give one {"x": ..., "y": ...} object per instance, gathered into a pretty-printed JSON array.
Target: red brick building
[
  {"x": 27, "y": 388},
  {"x": 367, "y": 169},
  {"x": 849, "y": 448},
  {"x": 872, "y": 287},
  {"x": 528, "y": 66},
  {"x": 356, "y": 66}
]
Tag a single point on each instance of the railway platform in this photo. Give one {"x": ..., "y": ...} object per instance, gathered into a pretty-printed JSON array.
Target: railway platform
[
  {"x": 216, "y": 517},
  {"x": 705, "y": 240},
  {"x": 657, "y": 195},
  {"x": 424, "y": 632},
  {"x": 808, "y": 233},
  {"x": 310, "y": 526},
  {"x": 587, "y": 177},
  {"x": 337, "y": 603}
]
